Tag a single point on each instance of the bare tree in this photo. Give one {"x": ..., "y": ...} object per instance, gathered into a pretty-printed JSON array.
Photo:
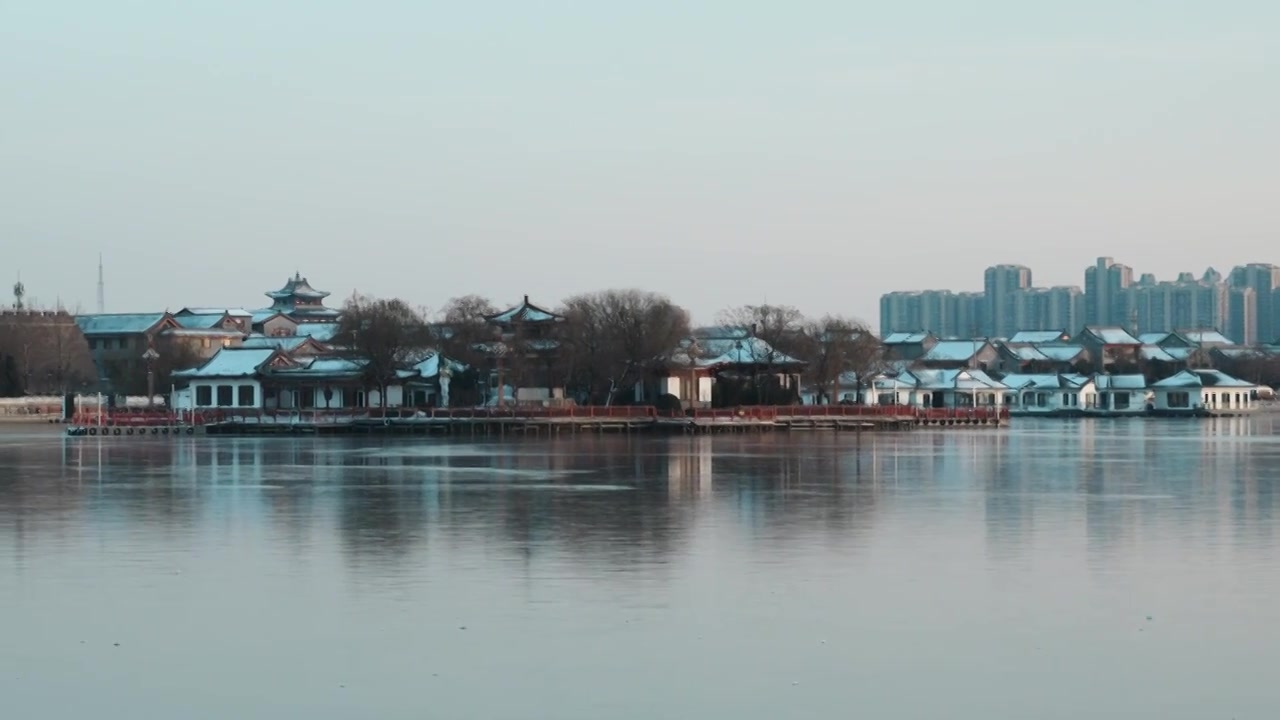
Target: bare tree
[
  {"x": 774, "y": 336},
  {"x": 781, "y": 327},
  {"x": 836, "y": 346},
  {"x": 47, "y": 353},
  {"x": 467, "y": 310},
  {"x": 463, "y": 334},
  {"x": 618, "y": 336},
  {"x": 384, "y": 336}
]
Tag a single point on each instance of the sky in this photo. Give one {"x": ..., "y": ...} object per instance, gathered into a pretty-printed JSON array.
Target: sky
[{"x": 816, "y": 154}]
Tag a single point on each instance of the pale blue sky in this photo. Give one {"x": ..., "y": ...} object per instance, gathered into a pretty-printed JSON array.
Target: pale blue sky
[{"x": 816, "y": 153}]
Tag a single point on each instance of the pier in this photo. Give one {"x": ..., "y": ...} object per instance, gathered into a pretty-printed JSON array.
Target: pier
[{"x": 518, "y": 421}]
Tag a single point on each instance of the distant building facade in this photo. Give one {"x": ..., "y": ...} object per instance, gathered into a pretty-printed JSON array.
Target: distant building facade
[{"x": 1244, "y": 305}]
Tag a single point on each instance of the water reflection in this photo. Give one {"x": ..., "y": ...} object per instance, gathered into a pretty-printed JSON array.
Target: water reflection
[{"x": 672, "y": 575}]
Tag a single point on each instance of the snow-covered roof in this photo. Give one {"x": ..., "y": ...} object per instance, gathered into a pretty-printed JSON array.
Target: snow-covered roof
[
  {"x": 319, "y": 331},
  {"x": 230, "y": 363},
  {"x": 905, "y": 338},
  {"x": 722, "y": 332},
  {"x": 265, "y": 314},
  {"x": 1206, "y": 337},
  {"x": 1112, "y": 335},
  {"x": 1155, "y": 353},
  {"x": 897, "y": 381},
  {"x": 321, "y": 366},
  {"x": 1201, "y": 378},
  {"x": 1020, "y": 381},
  {"x": 1061, "y": 353},
  {"x": 957, "y": 380},
  {"x": 524, "y": 312},
  {"x": 306, "y": 312},
  {"x": 1153, "y": 338},
  {"x": 202, "y": 332},
  {"x": 233, "y": 312},
  {"x": 199, "y": 321},
  {"x": 744, "y": 351},
  {"x": 119, "y": 323},
  {"x": 430, "y": 367},
  {"x": 287, "y": 343},
  {"x": 297, "y": 287},
  {"x": 1039, "y": 336},
  {"x": 1234, "y": 352},
  {"x": 1165, "y": 354},
  {"x": 953, "y": 350},
  {"x": 1120, "y": 382}
]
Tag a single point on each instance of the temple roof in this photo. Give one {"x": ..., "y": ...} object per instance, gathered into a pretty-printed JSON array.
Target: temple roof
[
  {"x": 524, "y": 312},
  {"x": 119, "y": 323},
  {"x": 298, "y": 288},
  {"x": 230, "y": 363}
]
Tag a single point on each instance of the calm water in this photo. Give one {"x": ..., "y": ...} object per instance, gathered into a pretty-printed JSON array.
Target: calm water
[{"x": 984, "y": 574}]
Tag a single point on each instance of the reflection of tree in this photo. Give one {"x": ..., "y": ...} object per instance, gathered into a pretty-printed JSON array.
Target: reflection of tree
[{"x": 382, "y": 517}]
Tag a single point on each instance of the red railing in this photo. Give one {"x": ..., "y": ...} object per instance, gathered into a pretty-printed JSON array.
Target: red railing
[{"x": 135, "y": 417}]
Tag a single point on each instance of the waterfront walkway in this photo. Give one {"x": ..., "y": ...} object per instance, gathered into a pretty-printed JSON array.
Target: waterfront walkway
[{"x": 532, "y": 420}]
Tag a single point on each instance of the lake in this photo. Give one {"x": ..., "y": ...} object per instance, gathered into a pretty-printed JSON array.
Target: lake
[{"x": 1053, "y": 569}]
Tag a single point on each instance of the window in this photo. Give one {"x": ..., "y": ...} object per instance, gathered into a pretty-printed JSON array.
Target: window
[
  {"x": 1101, "y": 400},
  {"x": 1011, "y": 399},
  {"x": 1121, "y": 400},
  {"x": 244, "y": 396},
  {"x": 225, "y": 396},
  {"x": 1179, "y": 400},
  {"x": 885, "y": 399},
  {"x": 1239, "y": 400},
  {"x": 204, "y": 396},
  {"x": 1042, "y": 399}
]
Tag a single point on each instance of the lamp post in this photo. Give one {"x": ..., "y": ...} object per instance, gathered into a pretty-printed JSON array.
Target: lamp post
[{"x": 150, "y": 356}]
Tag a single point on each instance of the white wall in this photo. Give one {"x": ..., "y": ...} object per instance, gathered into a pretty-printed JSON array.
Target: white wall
[{"x": 395, "y": 397}]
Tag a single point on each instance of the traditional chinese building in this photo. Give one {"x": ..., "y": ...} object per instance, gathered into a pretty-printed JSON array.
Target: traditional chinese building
[
  {"x": 524, "y": 354},
  {"x": 296, "y": 309},
  {"x": 274, "y": 379}
]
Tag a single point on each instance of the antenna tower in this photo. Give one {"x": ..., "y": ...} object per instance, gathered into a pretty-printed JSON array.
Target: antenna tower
[
  {"x": 19, "y": 290},
  {"x": 102, "y": 301}
]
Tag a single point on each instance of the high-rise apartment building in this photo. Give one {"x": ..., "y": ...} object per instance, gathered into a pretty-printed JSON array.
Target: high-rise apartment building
[
  {"x": 1242, "y": 316},
  {"x": 1264, "y": 280},
  {"x": 1244, "y": 306},
  {"x": 941, "y": 312},
  {"x": 1002, "y": 286},
  {"x": 1055, "y": 308},
  {"x": 1106, "y": 299},
  {"x": 1184, "y": 304},
  {"x": 968, "y": 312},
  {"x": 899, "y": 312}
]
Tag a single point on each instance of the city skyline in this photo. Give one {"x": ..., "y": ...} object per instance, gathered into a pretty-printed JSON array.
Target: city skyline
[{"x": 1243, "y": 304}]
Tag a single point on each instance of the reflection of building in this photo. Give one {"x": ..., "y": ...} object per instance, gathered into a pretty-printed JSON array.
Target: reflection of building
[{"x": 689, "y": 473}]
